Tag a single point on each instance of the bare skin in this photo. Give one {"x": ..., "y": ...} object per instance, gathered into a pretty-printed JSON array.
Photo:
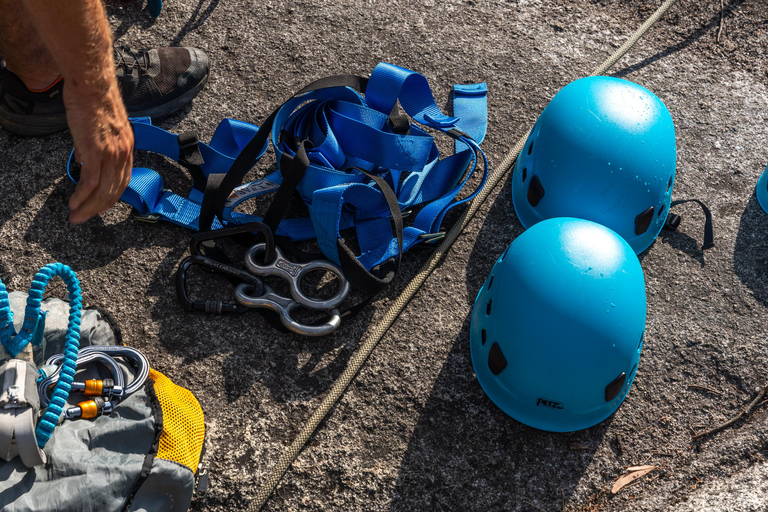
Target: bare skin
[{"x": 42, "y": 40}]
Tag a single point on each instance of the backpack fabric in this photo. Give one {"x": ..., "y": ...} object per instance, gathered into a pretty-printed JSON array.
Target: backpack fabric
[{"x": 144, "y": 456}]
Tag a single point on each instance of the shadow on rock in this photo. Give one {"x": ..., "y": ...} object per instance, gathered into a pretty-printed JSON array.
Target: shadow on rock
[
  {"x": 750, "y": 260},
  {"x": 681, "y": 242},
  {"x": 199, "y": 16},
  {"x": 465, "y": 453},
  {"x": 127, "y": 16},
  {"x": 713, "y": 22},
  {"x": 92, "y": 244},
  {"x": 290, "y": 366}
]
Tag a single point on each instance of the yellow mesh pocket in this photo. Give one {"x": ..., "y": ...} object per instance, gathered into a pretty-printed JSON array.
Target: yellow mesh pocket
[{"x": 183, "y": 427}]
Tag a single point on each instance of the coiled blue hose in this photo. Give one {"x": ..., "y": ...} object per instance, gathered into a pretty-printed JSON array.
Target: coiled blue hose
[
  {"x": 71, "y": 346},
  {"x": 6, "y": 319}
]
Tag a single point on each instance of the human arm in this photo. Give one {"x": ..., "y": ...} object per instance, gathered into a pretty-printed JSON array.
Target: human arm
[{"x": 78, "y": 36}]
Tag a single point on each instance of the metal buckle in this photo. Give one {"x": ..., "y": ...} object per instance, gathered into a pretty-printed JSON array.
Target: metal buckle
[
  {"x": 431, "y": 238},
  {"x": 149, "y": 218}
]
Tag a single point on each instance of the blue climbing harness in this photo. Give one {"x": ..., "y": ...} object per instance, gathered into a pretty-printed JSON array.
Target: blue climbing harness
[{"x": 344, "y": 144}]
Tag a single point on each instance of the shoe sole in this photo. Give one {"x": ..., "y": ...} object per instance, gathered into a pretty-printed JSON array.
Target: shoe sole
[{"x": 40, "y": 125}]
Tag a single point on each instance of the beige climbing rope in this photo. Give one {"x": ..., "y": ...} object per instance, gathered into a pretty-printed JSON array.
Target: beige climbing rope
[{"x": 377, "y": 332}]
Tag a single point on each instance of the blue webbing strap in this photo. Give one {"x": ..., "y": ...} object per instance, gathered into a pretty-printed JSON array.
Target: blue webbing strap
[
  {"x": 14, "y": 343},
  {"x": 347, "y": 135},
  {"x": 217, "y": 195},
  {"x": 329, "y": 206},
  {"x": 146, "y": 192}
]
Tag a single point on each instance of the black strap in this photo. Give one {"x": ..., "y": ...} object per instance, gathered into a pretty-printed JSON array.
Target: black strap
[
  {"x": 371, "y": 283},
  {"x": 673, "y": 221},
  {"x": 220, "y": 188},
  {"x": 191, "y": 158},
  {"x": 398, "y": 121},
  {"x": 292, "y": 175}
]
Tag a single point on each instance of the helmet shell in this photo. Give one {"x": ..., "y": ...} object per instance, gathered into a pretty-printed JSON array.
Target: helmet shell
[
  {"x": 762, "y": 190},
  {"x": 603, "y": 150},
  {"x": 557, "y": 328}
]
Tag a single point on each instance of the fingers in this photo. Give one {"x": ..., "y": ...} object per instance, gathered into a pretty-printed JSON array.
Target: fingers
[
  {"x": 89, "y": 180},
  {"x": 102, "y": 181},
  {"x": 104, "y": 143}
]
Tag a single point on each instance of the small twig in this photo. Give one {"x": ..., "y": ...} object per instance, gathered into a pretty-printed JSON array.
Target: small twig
[
  {"x": 577, "y": 446},
  {"x": 720, "y": 30},
  {"x": 745, "y": 412},
  {"x": 620, "y": 446},
  {"x": 534, "y": 506},
  {"x": 704, "y": 388}
]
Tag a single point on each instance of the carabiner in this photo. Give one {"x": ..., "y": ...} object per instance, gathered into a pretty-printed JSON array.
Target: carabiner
[
  {"x": 283, "y": 306},
  {"x": 215, "y": 307},
  {"x": 90, "y": 409},
  {"x": 293, "y": 273}
]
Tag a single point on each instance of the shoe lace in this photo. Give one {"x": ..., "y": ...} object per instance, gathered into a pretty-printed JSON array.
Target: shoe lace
[{"x": 128, "y": 58}]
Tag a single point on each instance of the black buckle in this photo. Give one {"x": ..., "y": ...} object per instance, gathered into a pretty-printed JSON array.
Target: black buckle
[
  {"x": 672, "y": 222},
  {"x": 189, "y": 150}
]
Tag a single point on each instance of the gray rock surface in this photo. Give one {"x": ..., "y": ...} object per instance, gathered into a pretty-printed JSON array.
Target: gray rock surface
[{"x": 415, "y": 431}]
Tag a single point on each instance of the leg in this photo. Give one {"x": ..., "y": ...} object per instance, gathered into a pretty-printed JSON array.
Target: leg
[{"x": 25, "y": 54}]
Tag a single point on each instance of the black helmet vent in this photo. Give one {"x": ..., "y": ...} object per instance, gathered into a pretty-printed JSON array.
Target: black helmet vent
[
  {"x": 643, "y": 221},
  {"x": 612, "y": 389},
  {"x": 496, "y": 360},
  {"x": 535, "y": 191}
]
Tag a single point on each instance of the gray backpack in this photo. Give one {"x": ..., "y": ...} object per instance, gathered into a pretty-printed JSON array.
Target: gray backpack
[{"x": 143, "y": 454}]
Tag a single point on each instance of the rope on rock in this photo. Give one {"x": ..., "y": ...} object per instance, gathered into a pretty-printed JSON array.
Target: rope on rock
[{"x": 377, "y": 332}]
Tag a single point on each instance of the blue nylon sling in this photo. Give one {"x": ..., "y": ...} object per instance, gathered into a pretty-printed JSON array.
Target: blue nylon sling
[{"x": 347, "y": 136}]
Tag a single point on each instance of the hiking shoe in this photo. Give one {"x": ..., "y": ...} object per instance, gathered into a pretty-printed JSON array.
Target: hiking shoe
[{"x": 154, "y": 83}]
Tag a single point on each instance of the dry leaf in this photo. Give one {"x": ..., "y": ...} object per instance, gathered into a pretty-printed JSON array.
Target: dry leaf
[
  {"x": 639, "y": 468},
  {"x": 635, "y": 472}
]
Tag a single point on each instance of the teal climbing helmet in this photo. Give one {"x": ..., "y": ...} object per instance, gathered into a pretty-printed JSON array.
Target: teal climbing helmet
[
  {"x": 602, "y": 150},
  {"x": 557, "y": 328},
  {"x": 762, "y": 190}
]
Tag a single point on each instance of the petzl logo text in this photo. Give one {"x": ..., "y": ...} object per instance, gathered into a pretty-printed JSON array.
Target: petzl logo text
[{"x": 549, "y": 403}]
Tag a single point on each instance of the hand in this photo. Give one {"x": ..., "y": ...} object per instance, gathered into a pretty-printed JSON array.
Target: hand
[{"x": 104, "y": 144}]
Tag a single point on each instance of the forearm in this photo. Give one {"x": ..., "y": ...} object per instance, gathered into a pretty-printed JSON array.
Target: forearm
[{"x": 77, "y": 34}]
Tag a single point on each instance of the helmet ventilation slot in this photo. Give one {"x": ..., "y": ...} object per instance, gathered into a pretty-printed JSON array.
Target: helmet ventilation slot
[
  {"x": 640, "y": 343},
  {"x": 496, "y": 360},
  {"x": 490, "y": 283},
  {"x": 535, "y": 191},
  {"x": 669, "y": 184},
  {"x": 643, "y": 221},
  {"x": 488, "y": 307},
  {"x": 612, "y": 389},
  {"x": 525, "y": 173},
  {"x": 482, "y": 336},
  {"x": 530, "y": 148}
]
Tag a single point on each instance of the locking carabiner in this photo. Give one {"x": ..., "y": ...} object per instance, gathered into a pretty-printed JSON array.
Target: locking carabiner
[{"x": 215, "y": 307}]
